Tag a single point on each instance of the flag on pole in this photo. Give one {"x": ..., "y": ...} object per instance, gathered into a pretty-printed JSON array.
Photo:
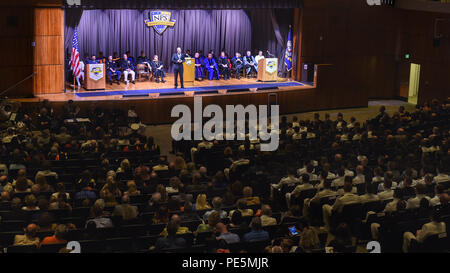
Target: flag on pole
[
  {"x": 75, "y": 58},
  {"x": 288, "y": 54}
]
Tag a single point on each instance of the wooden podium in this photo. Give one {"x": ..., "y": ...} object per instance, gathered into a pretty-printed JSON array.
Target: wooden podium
[
  {"x": 94, "y": 77},
  {"x": 268, "y": 70},
  {"x": 189, "y": 70}
]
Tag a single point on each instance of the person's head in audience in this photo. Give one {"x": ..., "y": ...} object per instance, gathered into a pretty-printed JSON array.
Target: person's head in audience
[
  {"x": 305, "y": 178},
  {"x": 201, "y": 203},
  {"x": 247, "y": 192},
  {"x": 309, "y": 239},
  {"x": 188, "y": 208},
  {"x": 256, "y": 224},
  {"x": 162, "y": 191},
  {"x": 31, "y": 231},
  {"x": 266, "y": 210},
  {"x": 213, "y": 219},
  {"x": 444, "y": 199},
  {"x": 16, "y": 204},
  {"x": 5, "y": 196},
  {"x": 41, "y": 181},
  {"x": 162, "y": 214},
  {"x": 387, "y": 183},
  {"x": 217, "y": 203},
  {"x": 236, "y": 218},
  {"x": 420, "y": 189},
  {"x": 348, "y": 184},
  {"x": 424, "y": 204},
  {"x": 45, "y": 221}
]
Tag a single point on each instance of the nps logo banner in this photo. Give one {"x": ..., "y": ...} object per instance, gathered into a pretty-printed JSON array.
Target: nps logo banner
[
  {"x": 96, "y": 71},
  {"x": 160, "y": 20}
]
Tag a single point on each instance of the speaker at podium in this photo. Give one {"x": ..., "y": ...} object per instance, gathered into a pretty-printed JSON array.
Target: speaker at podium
[{"x": 268, "y": 70}]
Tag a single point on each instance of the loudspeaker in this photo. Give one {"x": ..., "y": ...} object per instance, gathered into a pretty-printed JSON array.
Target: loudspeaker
[{"x": 307, "y": 72}]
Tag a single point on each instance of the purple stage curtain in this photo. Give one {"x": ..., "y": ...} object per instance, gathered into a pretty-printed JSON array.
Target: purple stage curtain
[{"x": 232, "y": 30}]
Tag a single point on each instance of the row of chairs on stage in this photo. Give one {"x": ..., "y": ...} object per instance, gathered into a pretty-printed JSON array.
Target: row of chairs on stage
[{"x": 142, "y": 73}]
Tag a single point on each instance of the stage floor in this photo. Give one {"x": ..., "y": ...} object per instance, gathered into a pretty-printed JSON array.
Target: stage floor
[{"x": 145, "y": 87}]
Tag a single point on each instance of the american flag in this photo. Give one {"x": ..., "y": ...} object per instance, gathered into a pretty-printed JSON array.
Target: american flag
[{"x": 75, "y": 59}]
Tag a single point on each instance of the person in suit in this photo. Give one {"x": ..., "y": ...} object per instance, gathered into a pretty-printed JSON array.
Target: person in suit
[
  {"x": 211, "y": 66},
  {"x": 199, "y": 67},
  {"x": 113, "y": 70},
  {"x": 178, "y": 60},
  {"x": 188, "y": 54},
  {"x": 143, "y": 59},
  {"x": 157, "y": 68},
  {"x": 238, "y": 64},
  {"x": 224, "y": 66},
  {"x": 128, "y": 69},
  {"x": 250, "y": 63}
]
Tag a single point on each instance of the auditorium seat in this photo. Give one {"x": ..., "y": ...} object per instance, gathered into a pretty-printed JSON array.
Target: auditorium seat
[
  {"x": 22, "y": 249},
  {"x": 52, "y": 248}
]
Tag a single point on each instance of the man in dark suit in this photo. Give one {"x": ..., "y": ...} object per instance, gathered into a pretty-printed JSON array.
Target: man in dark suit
[{"x": 177, "y": 60}]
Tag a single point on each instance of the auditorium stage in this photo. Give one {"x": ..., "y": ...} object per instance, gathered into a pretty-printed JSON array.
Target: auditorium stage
[
  {"x": 154, "y": 101},
  {"x": 146, "y": 89}
]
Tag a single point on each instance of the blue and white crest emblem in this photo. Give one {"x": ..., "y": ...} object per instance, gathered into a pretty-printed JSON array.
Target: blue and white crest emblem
[{"x": 160, "y": 20}]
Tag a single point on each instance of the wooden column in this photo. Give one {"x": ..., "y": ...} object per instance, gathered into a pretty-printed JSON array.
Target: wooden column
[{"x": 49, "y": 50}]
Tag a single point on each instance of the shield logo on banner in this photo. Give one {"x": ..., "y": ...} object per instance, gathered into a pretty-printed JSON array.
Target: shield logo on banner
[
  {"x": 160, "y": 20},
  {"x": 96, "y": 71},
  {"x": 271, "y": 66}
]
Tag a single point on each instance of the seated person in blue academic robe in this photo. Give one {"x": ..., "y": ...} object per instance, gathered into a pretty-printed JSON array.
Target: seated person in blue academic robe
[
  {"x": 224, "y": 66},
  {"x": 143, "y": 59},
  {"x": 211, "y": 66},
  {"x": 113, "y": 69},
  {"x": 238, "y": 64},
  {"x": 101, "y": 58},
  {"x": 250, "y": 63},
  {"x": 157, "y": 68},
  {"x": 93, "y": 60},
  {"x": 199, "y": 67}
]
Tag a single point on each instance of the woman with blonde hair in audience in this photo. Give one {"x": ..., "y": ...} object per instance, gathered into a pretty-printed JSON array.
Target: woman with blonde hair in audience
[
  {"x": 110, "y": 187},
  {"x": 201, "y": 203},
  {"x": 213, "y": 219},
  {"x": 162, "y": 190}
]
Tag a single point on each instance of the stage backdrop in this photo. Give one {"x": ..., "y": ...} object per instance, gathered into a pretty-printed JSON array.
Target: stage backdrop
[{"x": 233, "y": 30}]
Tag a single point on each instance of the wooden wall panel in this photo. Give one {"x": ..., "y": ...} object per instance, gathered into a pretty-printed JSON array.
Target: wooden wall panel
[
  {"x": 49, "y": 79},
  {"x": 49, "y": 22},
  {"x": 49, "y": 50},
  {"x": 16, "y": 35}
]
